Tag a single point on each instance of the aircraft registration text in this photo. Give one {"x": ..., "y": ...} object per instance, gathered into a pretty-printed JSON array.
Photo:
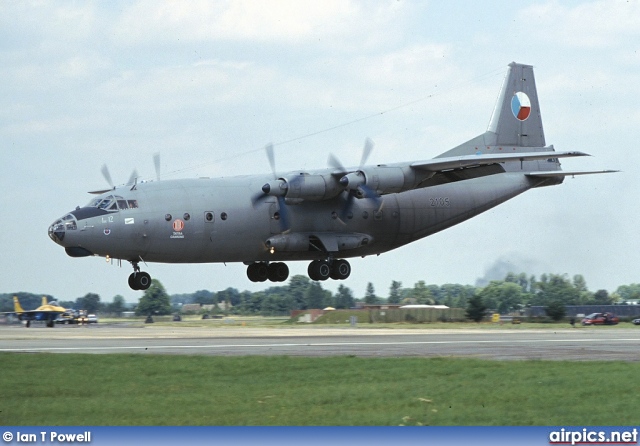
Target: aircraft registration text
[{"x": 439, "y": 202}]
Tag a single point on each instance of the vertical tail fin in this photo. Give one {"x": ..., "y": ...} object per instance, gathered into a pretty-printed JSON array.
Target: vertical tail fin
[
  {"x": 516, "y": 119},
  {"x": 44, "y": 301},
  {"x": 16, "y": 305}
]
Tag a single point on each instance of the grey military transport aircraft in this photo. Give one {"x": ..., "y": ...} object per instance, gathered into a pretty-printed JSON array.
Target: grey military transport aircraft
[{"x": 321, "y": 216}]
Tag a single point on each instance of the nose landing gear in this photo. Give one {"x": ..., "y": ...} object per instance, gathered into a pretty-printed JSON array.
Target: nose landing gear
[{"x": 139, "y": 280}]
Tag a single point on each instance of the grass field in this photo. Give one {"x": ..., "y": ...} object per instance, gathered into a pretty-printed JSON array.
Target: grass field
[{"x": 69, "y": 389}]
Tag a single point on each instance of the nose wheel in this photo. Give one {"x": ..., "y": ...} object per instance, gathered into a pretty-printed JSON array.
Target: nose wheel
[{"x": 139, "y": 280}]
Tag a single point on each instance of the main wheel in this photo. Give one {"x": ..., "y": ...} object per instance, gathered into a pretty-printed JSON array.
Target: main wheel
[
  {"x": 143, "y": 280},
  {"x": 132, "y": 282},
  {"x": 258, "y": 272},
  {"x": 319, "y": 270},
  {"x": 340, "y": 269},
  {"x": 278, "y": 272}
]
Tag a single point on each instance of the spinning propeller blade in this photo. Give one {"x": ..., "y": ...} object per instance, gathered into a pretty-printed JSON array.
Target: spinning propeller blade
[
  {"x": 132, "y": 177},
  {"x": 156, "y": 163},
  {"x": 363, "y": 191},
  {"x": 366, "y": 151},
  {"x": 107, "y": 176},
  {"x": 269, "y": 190}
]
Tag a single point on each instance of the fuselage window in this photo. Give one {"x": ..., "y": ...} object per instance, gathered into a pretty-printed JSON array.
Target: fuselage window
[
  {"x": 133, "y": 204},
  {"x": 122, "y": 204}
]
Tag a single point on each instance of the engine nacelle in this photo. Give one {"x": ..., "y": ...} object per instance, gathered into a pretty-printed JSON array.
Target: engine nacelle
[
  {"x": 382, "y": 179},
  {"x": 312, "y": 187}
]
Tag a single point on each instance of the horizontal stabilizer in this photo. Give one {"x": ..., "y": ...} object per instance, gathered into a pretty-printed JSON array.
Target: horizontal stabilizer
[
  {"x": 460, "y": 162},
  {"x": 565, "y": 173}
]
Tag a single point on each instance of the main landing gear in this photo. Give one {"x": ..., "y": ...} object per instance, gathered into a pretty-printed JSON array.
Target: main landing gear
[
  {"x": 318, "y": 270},
  {"x": 325, "y": 269},
  {"x": 139, "y": 280},
  {"x": 261, "y": 271}
]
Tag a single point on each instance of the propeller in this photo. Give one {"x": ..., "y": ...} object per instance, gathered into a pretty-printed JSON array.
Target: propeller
[
  {"x": 132, "y": 178},
  {"x": 156, "y": 163},
  {"x": 272, "y": 158},
  {"x": 366, "y": 151},
  {"x": 107, "y": 176},
  {"x": 277, "y": 188},
  {"x": 355, "y": 182}
]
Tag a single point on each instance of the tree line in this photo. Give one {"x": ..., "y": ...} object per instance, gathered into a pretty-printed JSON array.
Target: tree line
[{"x": 515, "y": 292}]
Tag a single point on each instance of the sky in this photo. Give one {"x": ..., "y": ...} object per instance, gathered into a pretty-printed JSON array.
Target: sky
[{"x": 207, "y": 84}]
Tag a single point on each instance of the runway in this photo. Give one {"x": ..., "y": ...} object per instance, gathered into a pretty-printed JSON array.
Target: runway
[{"x": 592, "y": 343}]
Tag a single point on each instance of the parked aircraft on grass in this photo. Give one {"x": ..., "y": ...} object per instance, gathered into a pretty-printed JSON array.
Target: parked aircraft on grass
[{"x": 321, "y": 216}]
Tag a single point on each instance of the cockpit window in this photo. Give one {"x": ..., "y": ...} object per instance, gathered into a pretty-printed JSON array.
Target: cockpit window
[
  {"x": 113, "y": 203},
  {"x": 107, "y": 203}
]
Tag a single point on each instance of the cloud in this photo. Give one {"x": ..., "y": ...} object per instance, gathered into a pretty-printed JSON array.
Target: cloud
[
  {"x": 282, "y": 20},
  {"x": 599, "y": 24}
]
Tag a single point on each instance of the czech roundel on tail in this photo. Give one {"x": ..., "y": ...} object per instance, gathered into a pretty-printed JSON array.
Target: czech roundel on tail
[{"x": 322, "y": 216}]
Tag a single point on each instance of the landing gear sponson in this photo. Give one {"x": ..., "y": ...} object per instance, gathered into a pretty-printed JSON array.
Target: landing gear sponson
[{"x": 318, "y": 270}]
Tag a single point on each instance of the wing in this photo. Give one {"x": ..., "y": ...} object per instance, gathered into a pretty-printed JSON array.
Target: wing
[
  {"x": 466, "y": 161},
  {"x": 36, "y": 315}
]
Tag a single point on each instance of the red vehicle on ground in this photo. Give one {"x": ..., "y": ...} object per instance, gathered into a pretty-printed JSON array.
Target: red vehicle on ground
[{"x": 600, "y": 319}]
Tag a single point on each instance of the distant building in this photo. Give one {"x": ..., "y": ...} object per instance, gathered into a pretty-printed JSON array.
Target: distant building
[
  {"x": 191, "y": 308},
  {"x": 363, "y": 306},
  {"x": 418, "y": 306}
]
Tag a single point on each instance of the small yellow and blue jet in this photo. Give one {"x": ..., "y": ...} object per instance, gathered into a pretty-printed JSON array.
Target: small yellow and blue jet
[{"x": 47, "y": 312}]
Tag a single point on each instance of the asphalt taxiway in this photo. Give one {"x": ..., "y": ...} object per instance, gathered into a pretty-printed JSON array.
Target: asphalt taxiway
[{"x": 592, "y": 343}]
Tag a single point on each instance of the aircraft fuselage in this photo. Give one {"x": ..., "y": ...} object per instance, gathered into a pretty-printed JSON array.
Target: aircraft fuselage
[{"x": 213, "y": 220}]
